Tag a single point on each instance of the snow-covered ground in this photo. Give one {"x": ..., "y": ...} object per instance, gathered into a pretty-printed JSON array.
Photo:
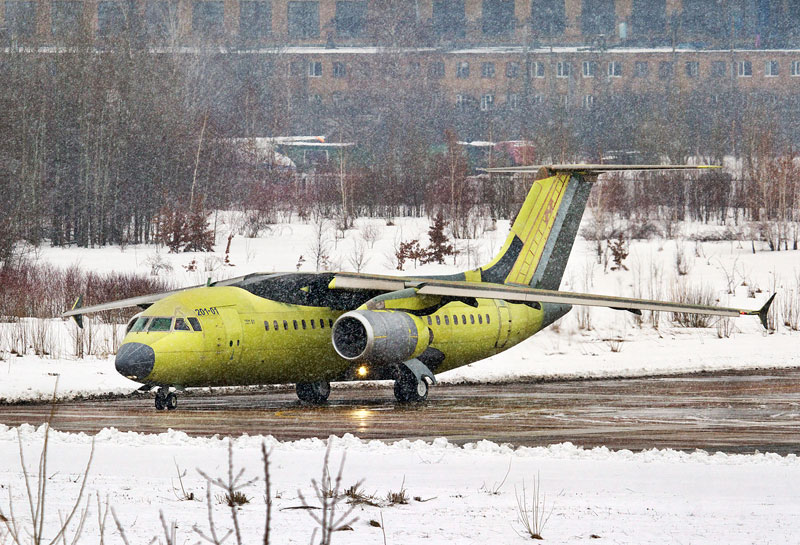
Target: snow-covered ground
[{"x": 455, "y": 494}]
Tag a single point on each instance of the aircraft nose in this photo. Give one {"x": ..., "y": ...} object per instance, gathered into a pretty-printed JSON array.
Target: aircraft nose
[{"x": 135, "y": 360}]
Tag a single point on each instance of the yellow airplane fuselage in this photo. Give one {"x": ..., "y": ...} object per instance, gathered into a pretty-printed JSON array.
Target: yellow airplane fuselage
[{"x": 247, "y": 340}]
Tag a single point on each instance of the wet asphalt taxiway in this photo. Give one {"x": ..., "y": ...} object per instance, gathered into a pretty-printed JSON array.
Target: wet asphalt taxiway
[{"x": 736, "y": 412}]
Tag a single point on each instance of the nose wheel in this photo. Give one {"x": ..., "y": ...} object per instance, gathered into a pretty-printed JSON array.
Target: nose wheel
[
  {"x": 315, "y": 393},
  {"x": 166, "y": 399}
]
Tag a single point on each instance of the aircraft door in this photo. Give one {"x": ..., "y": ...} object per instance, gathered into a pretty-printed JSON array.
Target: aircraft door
[
  {"x": 503, "y": 323},
  {"x": 229, "y": 334}
]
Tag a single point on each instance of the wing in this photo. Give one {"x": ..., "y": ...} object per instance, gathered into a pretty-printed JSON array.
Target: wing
[
  {"x": 524, "y": 294},
  {"x": 141, "y": 301}
]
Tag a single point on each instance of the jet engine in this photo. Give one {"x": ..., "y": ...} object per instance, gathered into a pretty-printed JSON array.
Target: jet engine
[{"x": 380, "y": 336}]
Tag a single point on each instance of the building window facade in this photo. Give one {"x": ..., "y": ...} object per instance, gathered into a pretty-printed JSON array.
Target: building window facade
[
  {"x": 436, "y": 69},
  {"x": 563, "y": 69},
  {"x": 462, "y": 70},
  {"x": 641, "y": 69},
  {"x": 614, "y": 69},
  {"x": 512, "y": 69},
  {"x": 692, "y": 69},
  {"x": 339, "y": 70},
  {"x": 315, "y": 69},
  {"x": 462, "y": 101},
  {"x": 65, "y": 18},
  {"x": 449, "y": 18},
  {"x": 498, "y": 17},
  {"x": 664, "y": 70},
  {"x": 487, "y": 102},
  {"x": 796, "y": 68},
  {"x": 351, "y": 19},
  {"x": 512, "y": 102},
  {"x": 111, "y": 18},
  {"x": 549, "y": 16},
  {"x": 21, "y": 18},
  {"x": 744, "y": 69},
  {"x": 208, "y": 17},
  {"x": 597, "y": 17},
  {"x": 303, "y": 19},
  {"x": 589, "y": 69},
  {"x": 255, "y": 19},
  {"x": 535, "y": 69},
  {"x": 588, "y": 101},
  {"x": 771, "y": 69},
  {"x": 487, "y": 70},
  {"x": 719, "y": 69}
]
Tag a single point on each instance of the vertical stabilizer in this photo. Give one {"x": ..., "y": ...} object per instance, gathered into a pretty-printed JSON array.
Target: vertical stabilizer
[{"x": 541, "y": 237}]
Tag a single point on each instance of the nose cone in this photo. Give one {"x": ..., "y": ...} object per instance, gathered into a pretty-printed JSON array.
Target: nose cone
[{"x": 135, "y": 360}]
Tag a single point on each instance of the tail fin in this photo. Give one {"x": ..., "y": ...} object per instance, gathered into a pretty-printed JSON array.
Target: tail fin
[{"x": 541, "y": 237}]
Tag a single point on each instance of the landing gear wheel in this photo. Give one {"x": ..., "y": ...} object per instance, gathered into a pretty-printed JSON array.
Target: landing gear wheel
[
  {"x": 161, "y": 399},
  {"x": 171, "y": 401},
  {"x": 313, "y": 392},
  {"x": 407, "y": 389}
]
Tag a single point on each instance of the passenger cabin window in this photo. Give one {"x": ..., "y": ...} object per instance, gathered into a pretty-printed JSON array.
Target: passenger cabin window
[
  {"x": 446, "y": 320},
  {"x": 472, "y": 318},
  {"x": 285, "y": 325},
  {"x": 480, "y": 319},
  {"x": 330, "y": 322},
  {"x": 430, "y": 321},
  {"x": 455, "y": 319},
  {"x": 294, "y": 323},
  {"x": 195, "y": 324},
  {"x": 322, "y": 323},
  {"x": 160, "y": 324},
  {"x": 438, "y": 321},
  {"x": 266, "y": 325},
  {"x": 463, "y": 319},
  {"x": 303, "y": 323},
  {"x": 275, "y": 325},
  {"x": 488, "y": 321},
  {"x": 180, "y": 325},
  {"x": 313, "y": 324}
]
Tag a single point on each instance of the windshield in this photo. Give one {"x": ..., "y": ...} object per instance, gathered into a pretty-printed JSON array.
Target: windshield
[
  {"x": 160, "y": 324},
  {"x": 140, "y": 323}
]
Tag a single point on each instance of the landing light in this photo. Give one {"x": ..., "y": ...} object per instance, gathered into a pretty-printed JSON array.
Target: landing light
[{"x": 362, "y": 371}]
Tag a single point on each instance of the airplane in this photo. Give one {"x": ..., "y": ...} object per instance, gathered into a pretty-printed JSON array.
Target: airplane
[{"x": 313, "y": 328}]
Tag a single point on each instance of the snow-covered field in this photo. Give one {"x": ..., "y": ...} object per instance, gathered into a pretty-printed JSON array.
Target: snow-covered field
[
  {"x": 620, "y": 497},
  {"x": 617, "y": 497}
]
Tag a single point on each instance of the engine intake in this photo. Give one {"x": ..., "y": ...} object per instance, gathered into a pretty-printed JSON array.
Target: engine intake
[{"x": 380, "y": 336}]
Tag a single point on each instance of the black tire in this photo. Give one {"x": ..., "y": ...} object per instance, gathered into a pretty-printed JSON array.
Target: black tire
[
  {"x": 407, "y": 389},
  {"x": 315, "y": 393},
  {"x": 160, "y": 401},
  {"x": 171, "y": 401}
]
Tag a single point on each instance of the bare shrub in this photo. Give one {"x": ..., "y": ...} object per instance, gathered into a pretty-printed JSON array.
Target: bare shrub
[
  {"x": 682, "y": 265},
  {"x": 320, "y": 245},
  {"x": 790, "y": 305},
  {"x": 615, "y": 344},
  {"x": 329, "y": 498},
  {"x": 725, "y": 328},
  {"x": 494, "y": 489},
  {"x": 534, "y": 516},
  {"x": 371, "y": 233},
  {"x": 399, "y": 497},
  {"x": 358, "y": 257},
  {"x": 692, "y": 295}
]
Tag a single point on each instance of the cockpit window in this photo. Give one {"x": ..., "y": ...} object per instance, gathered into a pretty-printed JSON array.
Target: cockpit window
[
  {"x": 160, "y": 324},
  {"x": 195, "y": 323},
  {"x": 140, "y": 324},
  {"x": 180, "y": 325}
]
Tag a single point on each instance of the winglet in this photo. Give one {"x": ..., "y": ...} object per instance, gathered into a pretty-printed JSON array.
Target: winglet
[
  {"x": 78, "y": 317},
  {"x": 763, "y": 311}
]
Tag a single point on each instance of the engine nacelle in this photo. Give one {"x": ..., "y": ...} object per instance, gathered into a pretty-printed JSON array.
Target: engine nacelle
[{"x": 380, "y": 336}]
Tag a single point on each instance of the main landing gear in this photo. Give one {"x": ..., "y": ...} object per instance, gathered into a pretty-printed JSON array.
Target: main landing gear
[
  {"x": 315, "y": 393},
  {"x": 408, "y": 388},
  {"x": 166, "y": 399}
]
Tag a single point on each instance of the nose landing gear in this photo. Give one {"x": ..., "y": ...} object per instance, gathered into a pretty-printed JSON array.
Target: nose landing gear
[
  {"x": 166, "y": 399},
  {"x": 315, "y": 393}
]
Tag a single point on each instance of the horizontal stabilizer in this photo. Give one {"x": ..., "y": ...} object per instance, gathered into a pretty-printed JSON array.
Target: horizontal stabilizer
[{"x": 590, "y": 168}]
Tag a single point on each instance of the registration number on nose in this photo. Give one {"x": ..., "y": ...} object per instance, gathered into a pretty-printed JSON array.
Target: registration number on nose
[{"x": 206, "y": 311}]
